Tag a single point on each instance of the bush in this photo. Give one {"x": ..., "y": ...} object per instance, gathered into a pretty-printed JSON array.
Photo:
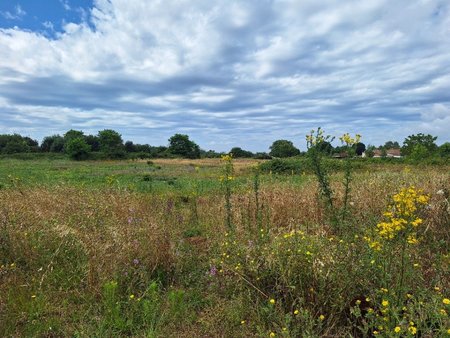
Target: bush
[
  {"x": 77, "y": 149},
  {"x": 279, "y": 166}
]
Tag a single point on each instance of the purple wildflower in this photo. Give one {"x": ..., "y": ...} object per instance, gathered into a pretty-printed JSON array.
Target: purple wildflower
[{"x": 213, "y": 271}]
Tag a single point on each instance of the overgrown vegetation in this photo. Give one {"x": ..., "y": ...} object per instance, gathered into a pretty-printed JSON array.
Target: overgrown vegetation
[
  {"x": 225, "y": 247},
  {"x": 108, "y": 144}
]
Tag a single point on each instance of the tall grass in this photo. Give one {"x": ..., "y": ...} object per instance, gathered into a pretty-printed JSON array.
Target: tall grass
[{"x": 116, "y": 261}]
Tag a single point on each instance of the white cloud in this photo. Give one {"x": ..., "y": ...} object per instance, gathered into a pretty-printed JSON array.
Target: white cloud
[
  {"x": 18, "y": 14},
  {"x": 65, "y": 4},
  {"x": 218, "y": 67}
]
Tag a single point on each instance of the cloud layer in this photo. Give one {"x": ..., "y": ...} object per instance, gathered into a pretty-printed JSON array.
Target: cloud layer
[{"x": 234, "y": 73}]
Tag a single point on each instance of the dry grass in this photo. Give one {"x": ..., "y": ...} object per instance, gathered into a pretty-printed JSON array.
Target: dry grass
[{"x": 105, "y": 230}]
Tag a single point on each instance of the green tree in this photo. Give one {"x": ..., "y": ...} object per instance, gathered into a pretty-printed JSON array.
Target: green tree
[
  {"x": 54, "y": 143},
  {"x": 71, "y": 134},
  {"x": 47, "y": 143},
  {"x": 111, "y": 143},
  {"x": 77, "y": 148},
  {"x": 370, "y": 151},
  {"x": 326, "y": 147},
  {"x": 419, "y": 152},
  {"x": 130, "y": 147},
  {"x": 10, "y": 144},
  {"x": 93, "y": 141},
  {"x": 57, "y": 145},
  {"x": 411, "y": 141},
  {"x": 360, "y": 148},
  {"x": 240, "y": 153},
  {"x": 444, "y": 150},
  {"x": 283, "y": 148},
  {"x": 180, "y": 145},
  {"x": 391, "y": 145},
  {"x": 33, "y": 144}
]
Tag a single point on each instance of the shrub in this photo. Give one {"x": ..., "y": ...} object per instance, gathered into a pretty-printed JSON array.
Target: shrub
[{"x": 77, "y": 149}]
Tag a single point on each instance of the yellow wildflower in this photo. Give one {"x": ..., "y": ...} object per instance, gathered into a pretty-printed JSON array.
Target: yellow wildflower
[
  {"x": 385, "y": 303},
  {"x": 446, "y": 301},
  {"x": 412, "y": 329},
  {"x": 397, "y": 329}
]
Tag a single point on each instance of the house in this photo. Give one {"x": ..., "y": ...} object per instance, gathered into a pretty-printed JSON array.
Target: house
[
  {"x": 342, "y": 154},
  {"x": 394, "y": 153}
]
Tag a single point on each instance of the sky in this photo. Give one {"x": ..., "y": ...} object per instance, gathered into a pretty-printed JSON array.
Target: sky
[{"x": 227, "y": 73}]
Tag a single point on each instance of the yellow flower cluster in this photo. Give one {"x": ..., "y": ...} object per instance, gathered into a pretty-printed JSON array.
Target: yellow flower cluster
[
  {"x": 226, "y": 178},
  {"x": 313, "y": 140},
  {"x": 227, "y": 158},
  {"x": 401, "y": 219},
  {"x": 347, "y": 139}
]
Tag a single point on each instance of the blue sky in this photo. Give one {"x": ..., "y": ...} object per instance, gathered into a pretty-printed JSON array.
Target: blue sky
[{"x": 227, "y": 73}]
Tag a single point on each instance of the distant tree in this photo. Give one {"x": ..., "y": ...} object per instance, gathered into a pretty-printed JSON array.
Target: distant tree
[
  {"x": 370, "y": 151},
  {"x": 360, "y": 148},
  {"x": 77, "y": 148},
  {"x": 142, "y": 148},
  {"x": 391, "y": 145},
  {"x": 210, "y": 154},
  {"x": 240, "y": 153},
  {"x": 33, "y": 144},
  {"x": 262, "y": 156},
  {"x": 93, "y": 141},
  {"x": 71, "y": 134},
  {"x": 339, "y": 149},
  {"x": 54, "y": 143},
  {"x": 419, "y": 152},
  {"x": 411, "y": 141},
  {"x": 111, "y": 143},
  {"x": 283, "y": 148},
  {"x": 326, "y": 147},
  {"x": 130, "y": 147},
  {"x": 11, "y": 144},
  {"x": 180, "y": 145},
  {"x": 160, "y": 152},
  {"x": 47, "y": 143},
  {"x": 3, "y": 141},
  {"x": 57, "y": 145},
  {"x": 444, "y": 150}
]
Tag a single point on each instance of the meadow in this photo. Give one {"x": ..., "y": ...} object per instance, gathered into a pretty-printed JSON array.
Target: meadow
[{"x": 222, "y": 248}]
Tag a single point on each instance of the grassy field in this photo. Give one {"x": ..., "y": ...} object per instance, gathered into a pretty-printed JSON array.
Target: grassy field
[{"x": 183, "y": 248}]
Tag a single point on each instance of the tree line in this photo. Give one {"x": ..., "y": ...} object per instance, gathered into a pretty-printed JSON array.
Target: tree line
[{"x": 108, "y": 144}]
